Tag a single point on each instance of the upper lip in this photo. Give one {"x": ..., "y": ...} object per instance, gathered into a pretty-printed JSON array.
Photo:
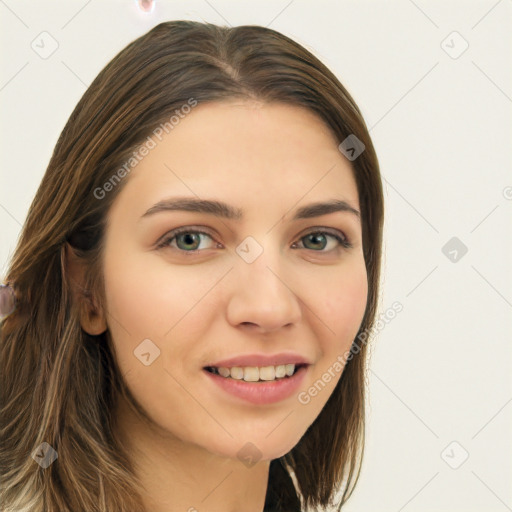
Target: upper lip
[{"x": 261, "y": 360}]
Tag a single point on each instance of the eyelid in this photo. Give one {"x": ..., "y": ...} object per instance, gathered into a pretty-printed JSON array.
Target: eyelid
[
  {"x": 170, "y": 235},
  {"x": 343, "y": 240}
]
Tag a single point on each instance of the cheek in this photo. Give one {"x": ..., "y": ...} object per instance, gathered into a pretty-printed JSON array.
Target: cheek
[
  {"x": 146, "y": 300},
  {"x": 133, "y": 302},
  {"x": 151, "y": 302},
  {"x": 341, "y": 307}
]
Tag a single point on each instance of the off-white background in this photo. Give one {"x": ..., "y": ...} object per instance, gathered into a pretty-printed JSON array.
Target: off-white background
[{"x": 440, "y": 370}]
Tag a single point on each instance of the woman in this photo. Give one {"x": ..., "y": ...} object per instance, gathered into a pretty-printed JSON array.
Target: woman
[{"x": 140, "y": 373}]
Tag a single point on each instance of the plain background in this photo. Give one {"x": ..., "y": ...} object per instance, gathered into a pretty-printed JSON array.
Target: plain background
[{"x": 440, "y": 385}]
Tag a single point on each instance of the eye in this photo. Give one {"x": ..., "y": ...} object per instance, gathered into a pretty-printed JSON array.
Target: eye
[
  {"x": 319, "y": 240},
  {"x": 187, "y": 240}
]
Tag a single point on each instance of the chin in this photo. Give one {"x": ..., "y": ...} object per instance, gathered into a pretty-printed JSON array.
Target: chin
[{"x": 254, "y": 448}]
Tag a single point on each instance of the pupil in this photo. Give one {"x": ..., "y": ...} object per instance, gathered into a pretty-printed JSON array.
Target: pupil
[
  {"x": 189, "y": 238},
  {"x": 317, "y": 237}
]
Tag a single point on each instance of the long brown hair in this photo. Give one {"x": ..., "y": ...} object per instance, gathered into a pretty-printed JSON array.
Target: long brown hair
[{"x": 60, "y": 384}]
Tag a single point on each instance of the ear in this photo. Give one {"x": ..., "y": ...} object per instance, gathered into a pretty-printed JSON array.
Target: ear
[{"x": 92, "y": 318}]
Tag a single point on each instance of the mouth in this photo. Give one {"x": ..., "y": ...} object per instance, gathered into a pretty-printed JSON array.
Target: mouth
[
  {"x": 256, "y": 373},
  {"x": 258, "y": 385}
]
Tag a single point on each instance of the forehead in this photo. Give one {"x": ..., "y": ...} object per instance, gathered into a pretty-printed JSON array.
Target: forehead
[{"x": 245, "y": 151}]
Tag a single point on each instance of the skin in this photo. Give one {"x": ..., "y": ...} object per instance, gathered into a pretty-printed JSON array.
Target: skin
[{"x": 212, "y": 305}]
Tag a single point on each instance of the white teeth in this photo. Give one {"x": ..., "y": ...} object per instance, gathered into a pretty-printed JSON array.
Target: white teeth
[
  {"x": 236, "y": 372},
  {"x": 251, "y": 374},
  {"x": 267, "y": 373},
  {"x": 255, "y": 373},
  {"x": 224, "y": 371},
  {"x": 280, "y": 371}
]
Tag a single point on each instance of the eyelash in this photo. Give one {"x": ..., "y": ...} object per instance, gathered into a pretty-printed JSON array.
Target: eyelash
[{"x": 342, "y": 239}]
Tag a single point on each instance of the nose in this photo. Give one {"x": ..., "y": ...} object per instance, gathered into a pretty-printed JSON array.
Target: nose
[{"x": 263, "y": 299}]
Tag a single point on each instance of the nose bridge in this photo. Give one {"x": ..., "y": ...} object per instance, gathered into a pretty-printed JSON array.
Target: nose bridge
[{"x": 261, "y": 295}]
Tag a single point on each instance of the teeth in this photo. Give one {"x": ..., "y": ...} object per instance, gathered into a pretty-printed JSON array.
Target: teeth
[
  {"x": 255, "y": 373},
  {"x": 290, "y": 368},
  {"x": 251, "y": 374},
  {"x": 224, "y": 372},
  {"x": 280, "y": 371},
  {"x": 267, "y": 373},
  {"x": 236, "y": 372}
]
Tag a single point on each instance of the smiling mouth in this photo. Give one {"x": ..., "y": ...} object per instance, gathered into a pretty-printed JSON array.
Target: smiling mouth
[{"x": 256, "y": 373}]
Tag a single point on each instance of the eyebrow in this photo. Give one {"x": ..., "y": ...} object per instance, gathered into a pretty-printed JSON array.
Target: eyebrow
[{"x": 226, "y": 211}]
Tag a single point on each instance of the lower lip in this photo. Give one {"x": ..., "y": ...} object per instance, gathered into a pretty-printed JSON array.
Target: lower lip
[{"x": 261, "y": 393}]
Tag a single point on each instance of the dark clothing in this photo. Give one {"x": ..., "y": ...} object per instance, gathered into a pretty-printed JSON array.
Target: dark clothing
[{"x": 281, "y": 494}]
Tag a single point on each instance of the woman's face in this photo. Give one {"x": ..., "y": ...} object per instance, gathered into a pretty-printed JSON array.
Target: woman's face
[{"x": 258, "y": 287}]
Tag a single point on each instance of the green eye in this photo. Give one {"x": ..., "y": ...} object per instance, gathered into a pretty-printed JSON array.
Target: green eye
[
  {"x": 188, "y": 240},
  {"x": 319, "y": 240},
  {"x": 185, "y": 238}
]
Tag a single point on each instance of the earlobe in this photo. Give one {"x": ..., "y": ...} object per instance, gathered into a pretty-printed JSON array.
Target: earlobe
[{"x": 92, "y": 319}]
